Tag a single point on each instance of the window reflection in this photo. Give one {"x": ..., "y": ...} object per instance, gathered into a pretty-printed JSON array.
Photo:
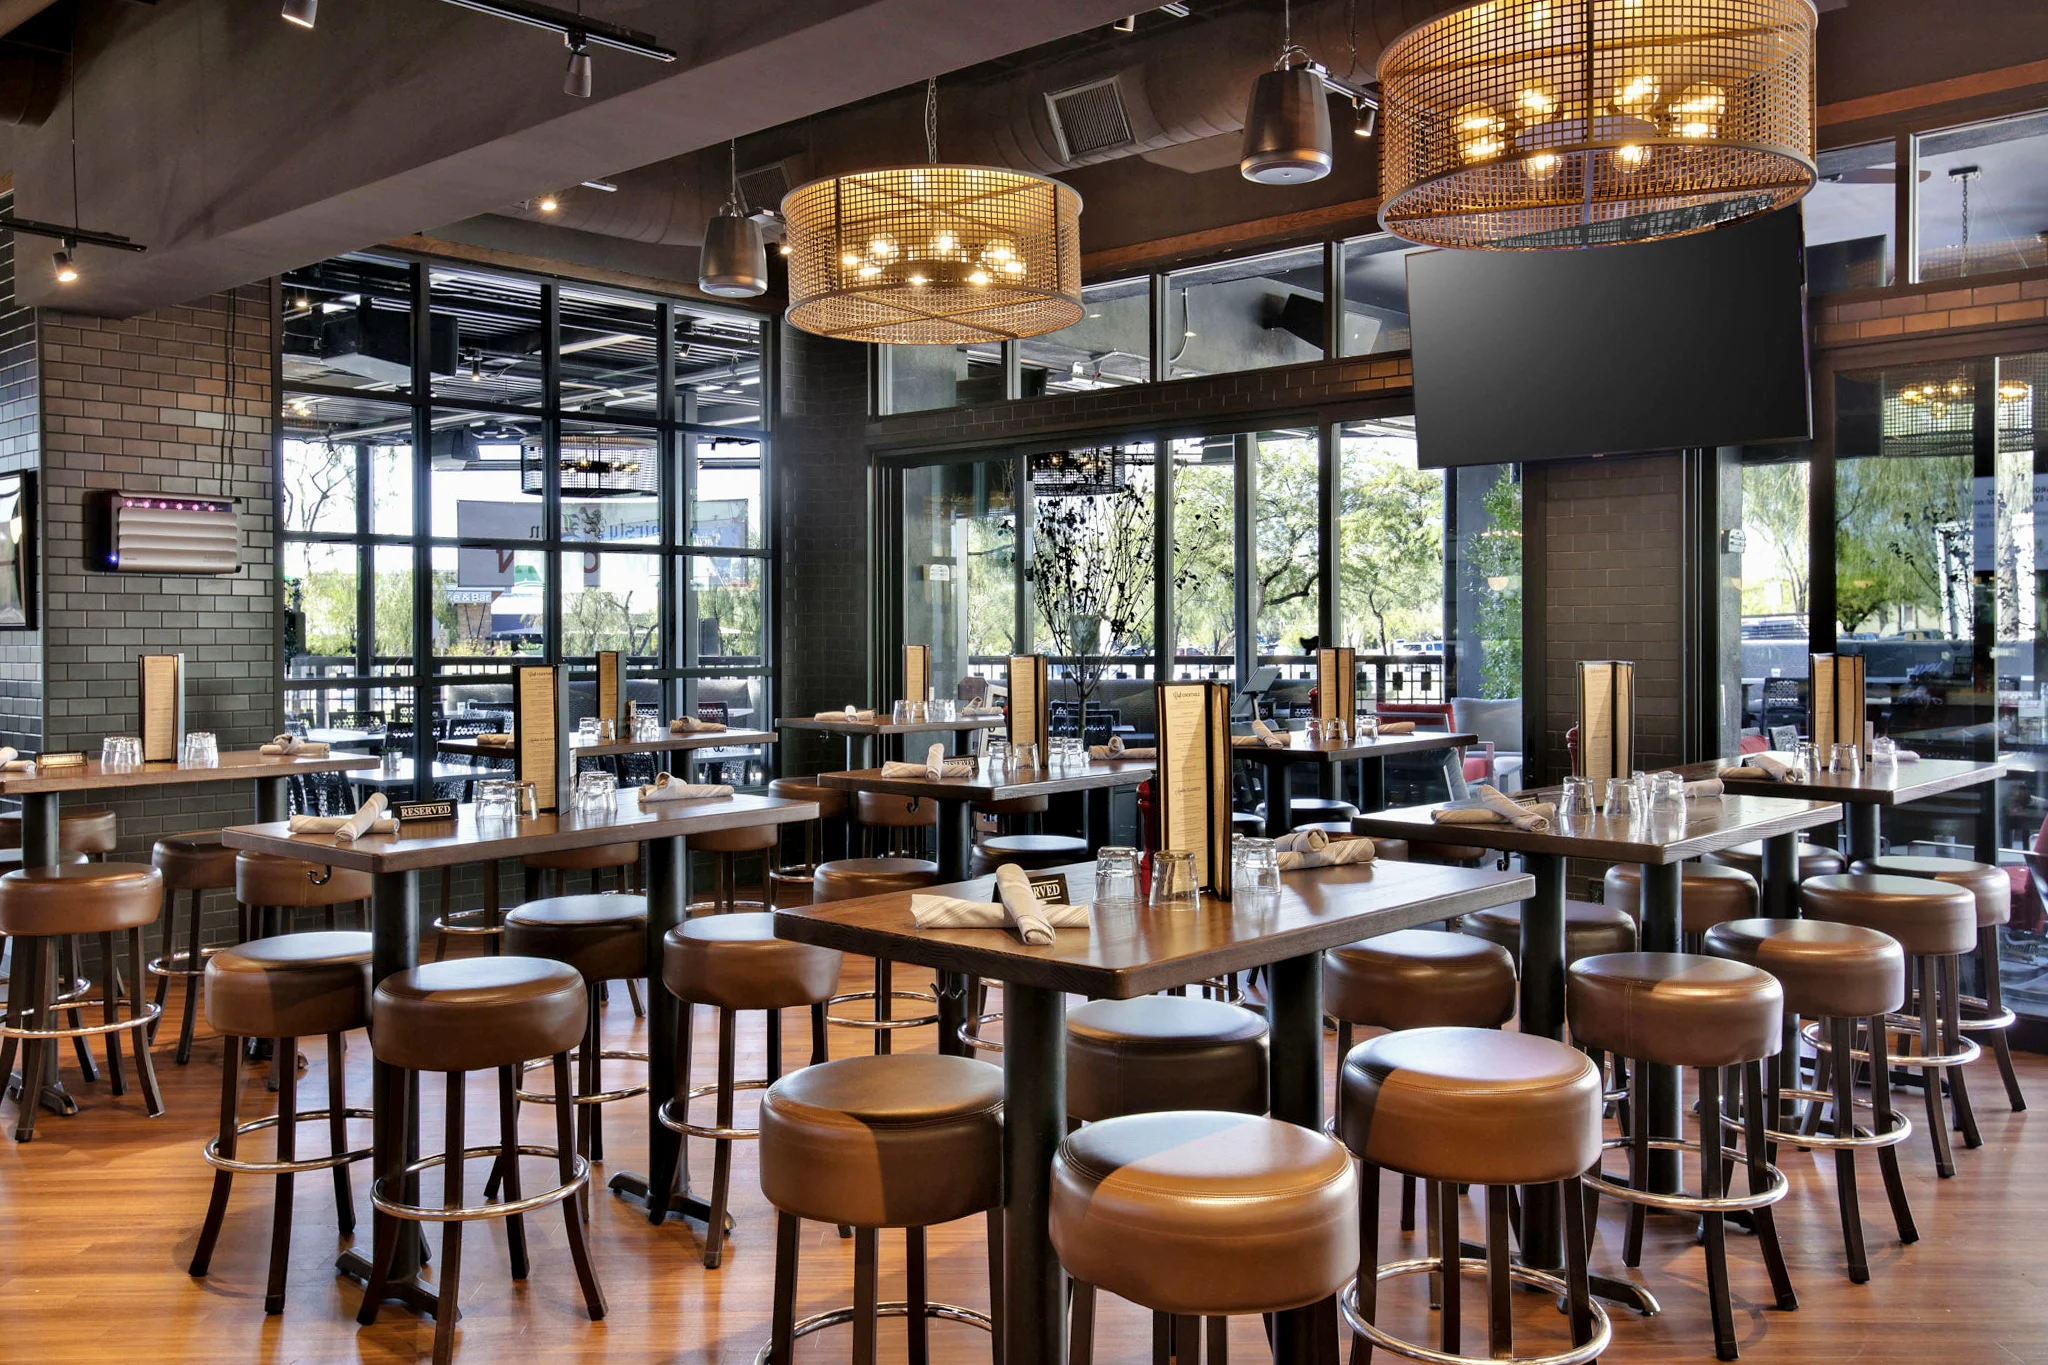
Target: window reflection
[
  {"x": 1245, "y": 315},
  {"x": 1980, "y": 198}
]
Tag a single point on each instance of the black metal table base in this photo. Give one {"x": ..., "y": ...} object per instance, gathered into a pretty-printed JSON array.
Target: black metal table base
[
  {"x": 1633, "y": 1297},
  {"x": 686, "y": 1206},
  {"x": 411, "y": 1292}
]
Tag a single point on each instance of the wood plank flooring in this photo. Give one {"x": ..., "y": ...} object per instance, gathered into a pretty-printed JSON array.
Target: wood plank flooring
[{"x": 99, "y": 1214}]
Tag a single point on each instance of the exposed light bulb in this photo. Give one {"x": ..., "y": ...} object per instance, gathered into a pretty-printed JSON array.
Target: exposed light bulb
[
  {"x": 782, "y": 249},
  {"x": 576, "y": 80},
  {"x": 66, "y": 267},
  {"x": 1536, "y": 102},
  {"x": 917, "y": 279},
  {"x": 1638, "y": 91},
  {"x": 548, "y": 203},
  {"x": 850, "y": 260},
  {"x": 1542, "y": 164},
  {"x": 870, "y": 270},
  {"x": 882, "y": 248},
  {"x": 1632, "y": 155},
  {"x": 301, "y": 12},
  {"x": 977, "y": 277}
]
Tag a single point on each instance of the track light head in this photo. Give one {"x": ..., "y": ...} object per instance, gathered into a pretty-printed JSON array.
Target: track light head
[
  {"x": 1364, "y": 118},
  {"x": 576, "y": 82},
  {"x": 62, "y": 262},
  {"x": 547, "y": 203},
  {"x": 301, "y": 12}
]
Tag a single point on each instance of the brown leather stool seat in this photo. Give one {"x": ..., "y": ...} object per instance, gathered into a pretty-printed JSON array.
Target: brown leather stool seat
[
  {"x": 740, "y": 839},
  {"x": 1205, "y": 1213},
  {"x": 1419, "y": 978},
  {"x": 884, "y": 1142},
  {"x": 78, "y": 831},
  {"x": 1709, "y": 894},
  {"x": 735, "y": 962},
  {"x": 1159, "y": 1051},
  {"x": 1929, "y": 918},
  {"x": 196, "y": 861},
  {"x": 593, "y": 859},
  {"x": 1471, "y": 1105},
  {"x": 1990, "y": 885},
  {"x": 848, "y": 879},
  {"x": 264, "y": 879},
  {"x": 1014, "y": 805},
  {"x": 604, "y": 937},
  {"x": 290, "y": 986},
  {"x": 830, "y": 801},
  {"x": 832, "y": 805},
  {"x": 894, "y": 812},
  {"x": 1393, "y": 850},
  {"x": 477, "y": 1013},
  {"x": 1814, "y": 861},
  {"x": 725, "y": 847},
  {"x": 1827, "y": 970},
  {"x": 1589, "y": 929},
  {"x": 1674, "y": 1009},
  {"x": 79, "y": 898},
  {"x": 1303, "y": 811},
  {"x": 1029, "y": 851}
]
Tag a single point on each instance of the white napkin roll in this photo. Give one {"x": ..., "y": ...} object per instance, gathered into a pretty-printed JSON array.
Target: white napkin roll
[
  {"x": 1905, "y": 756},
  {"x": 357, "y": 825},
  {"x": 291, "y": 746},
  {"x": 1709, "y": 787},
  {"x": 1266, "y": 735},
  {"x": 1489, "y": 806},
  {"x": 1302, "y": 841},
  {"x": 332, "y": 824},
  {"x": 1021, "y": 910},
  {"x": 691, "y": 725},
  {"x": 1334, "y": 853},
  {"x": 950, "y": 912},
  {"x": 669, "y": 787}
]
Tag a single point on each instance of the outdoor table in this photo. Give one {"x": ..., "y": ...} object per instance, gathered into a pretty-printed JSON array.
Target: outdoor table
[
  {"x": 395, "y": 861},
  {"x": 1130, "y": 951},
  {"x": 1370, "y": 756}
]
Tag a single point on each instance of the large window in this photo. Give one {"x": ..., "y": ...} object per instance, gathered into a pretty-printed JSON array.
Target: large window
[
  {"x": 564, "y": 470},
  {"x": 1981, "y": 194}
]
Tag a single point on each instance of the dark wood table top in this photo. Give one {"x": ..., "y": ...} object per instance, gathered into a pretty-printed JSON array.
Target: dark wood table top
[
  {"x": 1299, "y": 750},
  {"x": 1135, "y": 950},
  {"x": 1879, "y": 784},
  {"x": 882, "y": 726},
  {"x": 1711, "y": 824},
  {"x": 668, "y": 743},
  {"x": 450, "y": 843},
  {"x": 240, "y": 766},
  {"x": 1011, "y": 782}
]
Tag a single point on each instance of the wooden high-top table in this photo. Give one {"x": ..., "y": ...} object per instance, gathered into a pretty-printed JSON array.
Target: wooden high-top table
[
  {"x": 395, "y": 861},
  {"x": 868, "y": 731},
  {"x": 1867, "y": 793},
  {"x": 1369, "y": 756},
  {"x": 1131, "y": 951},
  {"x": 40, "y": 790},
  {"x": 667, "y": 744}
]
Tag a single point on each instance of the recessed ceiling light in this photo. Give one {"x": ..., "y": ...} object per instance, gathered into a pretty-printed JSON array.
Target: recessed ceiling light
[{"x": 301, "y": 12}]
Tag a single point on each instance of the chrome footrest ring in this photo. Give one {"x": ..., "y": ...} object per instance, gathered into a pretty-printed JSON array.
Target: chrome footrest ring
[
  {"x": 473, "y": 1213},
  {"x": 601, "y": 1097},
  {"x": 911, "y": 1021},
  {"x": 1901, "y": 1129},
  {"x": 159, "y": 966},
  {"x": 1978, "y": 1018},
  {"x": 895, "y": 1308},
  {"x": 211, "y": 1152},
  {"x": 454, "y": 922},
  {"x": 668, "y": 1118},
  {"x": 1679, "y": 1201},
  {"x": 970, "y": 1033},
  {"x": 1905, "y": 1059},
  {"x": 1347, "y": 1304},
  {"x": 10, "y": 1029}
]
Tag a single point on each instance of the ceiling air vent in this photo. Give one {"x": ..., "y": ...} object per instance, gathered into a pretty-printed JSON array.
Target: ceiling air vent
[
  {"x": 764, "y": 186},
  {"x": 1089, "y": 118}
]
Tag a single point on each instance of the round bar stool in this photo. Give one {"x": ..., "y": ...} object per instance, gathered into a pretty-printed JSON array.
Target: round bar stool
[
  {"x": 604, "y": 937},
  {"x": 1813, "y": 860},
  {"x": 1709, "y": 894},
  {"x": 196, "y": 863},
  {"x": 40, "y": 906},
  {"x": 266, "y": 882},
  {"x": 900, "y": 821},
  {"x": 848, "y": 879},
  {"x": 1015, "y": 814},
  {"x": 882, "y": 1142},
  {"x": 1704, "y": 1013},
  {"x": 1028, "y": 851},
  {"x": 82, "y": 834},
  {"x": 1417, "y": 978},
  {"x": 1987, "y": 1013},
  {"x": 1304, "y": 811},
  {"x": 1154, "y": 1052},
  {"x": 549, "y": 872},
  {"x": 1201, "y": 1214},
  {"x": 1589, "y": 929},
  {"x": 285, "y": 988},
  {"x": 480, "y": 1014},
  {"x": 1459, "y": 1106},
  {"x": 484, "y": 921},
  {"x": 734, "y": 963},
  {"x": 831, "y": 804},
  {"x": 1935, "y": 923},
  {"x": 725, "y": 847},
  {"x": 1839, "y": 975}
]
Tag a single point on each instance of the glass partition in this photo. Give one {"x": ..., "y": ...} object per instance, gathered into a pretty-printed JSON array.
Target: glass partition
[
  {"x": 1770, "y": 689},
  {"x": 1981, "y": 195},
  {"x": 1090, "y": 573},
  {"x": 1376, "y": 294},
  {"x": 960, "y": 570},
  {"x": 1286, "y": 549},
  {"x": 1245, "y": 315},
  {"x": 1204, "y": 557},
  {"x": 1849, "y": 216},
  {"x": 1109, "y": 347}
]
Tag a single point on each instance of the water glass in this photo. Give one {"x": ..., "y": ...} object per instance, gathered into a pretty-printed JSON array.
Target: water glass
[
  {"x": 1806, "y": 760},
  {"x": 1254, "y": 865},
  {"x": 607, "y": 730},
  {"x": 1884, "y": 749},
  {"x": 1845, "y": 758},
  {"x": 1116, "y": 876},
  {"x": 586, "y": 730},
  {"x": 597, "y": 794},
  {"x": 899, "y": 714},
  {"x": 646, "y": 728},
  {"x": 497, "y": 800},
  {"x": 1336, "y": 732},
  {"x": 1620, "y": 801},
  {"x": 1173, "y": 881},
  {"x": 1576, "y": 801},
  {"x": 119, "y": 752},
  {"x": 1077, "y": 753},
  {"x": 1312, "y": 731},
  {"x": 528, "y": 797},
  {"x": 944, "y": 709},
  {"x": 1667, "y": 796},
  {"x": 996, "y": 750},
  {"x": 1369, "y": 726},
  {"x": 200, "y": 750}
]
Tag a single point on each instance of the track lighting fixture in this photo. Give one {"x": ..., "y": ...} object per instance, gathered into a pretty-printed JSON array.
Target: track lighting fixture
[
  {"x": 301, "y": 12},
  {"x": 576, "y": 82},
  {"x": 547, "y": 203},
  {"x": 1364, "y": 118},
  {"x": 66, "y": 267}
]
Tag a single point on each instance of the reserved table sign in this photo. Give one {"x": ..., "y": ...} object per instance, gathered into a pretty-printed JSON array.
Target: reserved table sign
[
  {"x": 411, "y": 812},
  {"x": 1050, "y": 888}
]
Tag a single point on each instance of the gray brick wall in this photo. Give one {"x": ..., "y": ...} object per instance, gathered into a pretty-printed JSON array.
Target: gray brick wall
[{"x": 21, "y": 652}]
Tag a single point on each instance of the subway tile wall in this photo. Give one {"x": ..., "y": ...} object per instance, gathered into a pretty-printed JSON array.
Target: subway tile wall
[{"x": 21, "y": 651}]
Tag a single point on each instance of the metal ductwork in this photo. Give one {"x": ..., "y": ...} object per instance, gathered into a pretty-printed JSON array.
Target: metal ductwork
[{"x": 1158, "y": 91}]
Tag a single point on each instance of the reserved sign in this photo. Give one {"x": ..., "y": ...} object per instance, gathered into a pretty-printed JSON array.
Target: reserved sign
[
  {"x": 1050, "y": 889},
  {"x": 409, "y": 812}
]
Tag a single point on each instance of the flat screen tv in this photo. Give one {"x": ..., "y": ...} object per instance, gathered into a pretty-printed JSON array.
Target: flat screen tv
[{"x": 1534, "y": 355}]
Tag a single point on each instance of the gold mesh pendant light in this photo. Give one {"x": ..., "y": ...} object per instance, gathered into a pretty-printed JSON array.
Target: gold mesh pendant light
[
  {"x": 934, "y": 255},
  {"x": 1572, "y": 123}
]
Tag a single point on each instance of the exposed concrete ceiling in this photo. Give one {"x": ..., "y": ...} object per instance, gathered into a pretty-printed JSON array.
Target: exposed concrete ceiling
[{"x": 236, "y": 146}]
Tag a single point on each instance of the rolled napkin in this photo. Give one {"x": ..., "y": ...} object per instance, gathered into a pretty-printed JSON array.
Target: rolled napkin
[
  {"x": 1397, "y": 727},
  {"x": 1758, "y": 767},
  {"x": 367, "y": 814},
  {"x": 1708, "y": 787},
  {"x": 1022, "y": 913},
  {"x": 1905, "y": 755},
  {"x": 950, "y": 912},
  {"x": 851, "y": 714},
  {"x": 1263, "y": 736},
  {"x": 1116, "y": 748},
  {"x": 1490, "y": 807},
  {"x": 11, "y": 761},
  {"x": 980, "y": 712},
  {"x": 291, "y": 746},
  {"x": 1333, "y": 853},
  {"x": 691, "y": 725},
  {"x": 668, "y": 787},
  {"x": 1302, "y": 841},
  {"x": 331, "y": 824}
]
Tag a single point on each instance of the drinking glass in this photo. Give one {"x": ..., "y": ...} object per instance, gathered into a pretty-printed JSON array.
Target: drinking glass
[
  {"x": 597, "y": 794},
  {"x": 1884, "y": 749},
  {"x": 1806, "y": 758},
  {"x": 1312, "y": 730},
  {"x": 607, "y": 730},
  {"x": 202, "y": 749},
  {"x": 1576, "y": 801},
  {"x": 1116, "y": 875},
  {"x": 1667, "y": 796},
  {"x": 945, "y": 709},
  {"x": 1077, "y": 753},
  {"x": 899, "y": 714},
  {"x": 1845, "y": 758},
  {"x": 1336, "y": 731},
  {"x": 1620, "y": 800},
  {"x": 528, "y": 797},
  {"x": 497, "y": 800},
  {"x": 586, "y": 730},
  {"x": 996, "y": 749},
  {"x": 1369, "y": 726},
  {"x": 1173, "y": 880},
  {"x": 1254, "y": 865}
]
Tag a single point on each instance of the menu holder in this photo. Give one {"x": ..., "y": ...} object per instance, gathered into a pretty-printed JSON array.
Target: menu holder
[
  {"x": 1337, "y": 686},
  {"x": 540, "y": 726},
  {"x": 1607, "y": 720},
  {"x": 1030, "y": 702},
  {"x": 162, "y": 678},
  {"x": 1193, "y": 782},
  {"x": 611, "y": 697},
  {"x": 917, "y": 672},
  {"x": 1838, "y": 700}
]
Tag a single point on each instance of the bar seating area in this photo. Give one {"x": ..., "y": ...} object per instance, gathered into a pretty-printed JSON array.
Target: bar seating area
[{"x": 1259, "y": 680}]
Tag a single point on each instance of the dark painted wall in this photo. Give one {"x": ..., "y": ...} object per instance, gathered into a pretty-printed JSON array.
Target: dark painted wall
[{"x": 21, "y": 652}]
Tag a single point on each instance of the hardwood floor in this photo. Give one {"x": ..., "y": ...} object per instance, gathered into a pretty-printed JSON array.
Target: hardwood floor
[{"x": 101, "y": 1212}]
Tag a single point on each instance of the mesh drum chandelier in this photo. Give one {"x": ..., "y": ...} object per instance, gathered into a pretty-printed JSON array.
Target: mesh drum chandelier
[
  {"x": 1572, "y": 123},
  {"x": 934, "y": 255}
]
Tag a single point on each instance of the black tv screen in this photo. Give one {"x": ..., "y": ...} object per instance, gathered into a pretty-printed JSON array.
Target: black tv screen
[{"x": 1534, "y": 355}]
